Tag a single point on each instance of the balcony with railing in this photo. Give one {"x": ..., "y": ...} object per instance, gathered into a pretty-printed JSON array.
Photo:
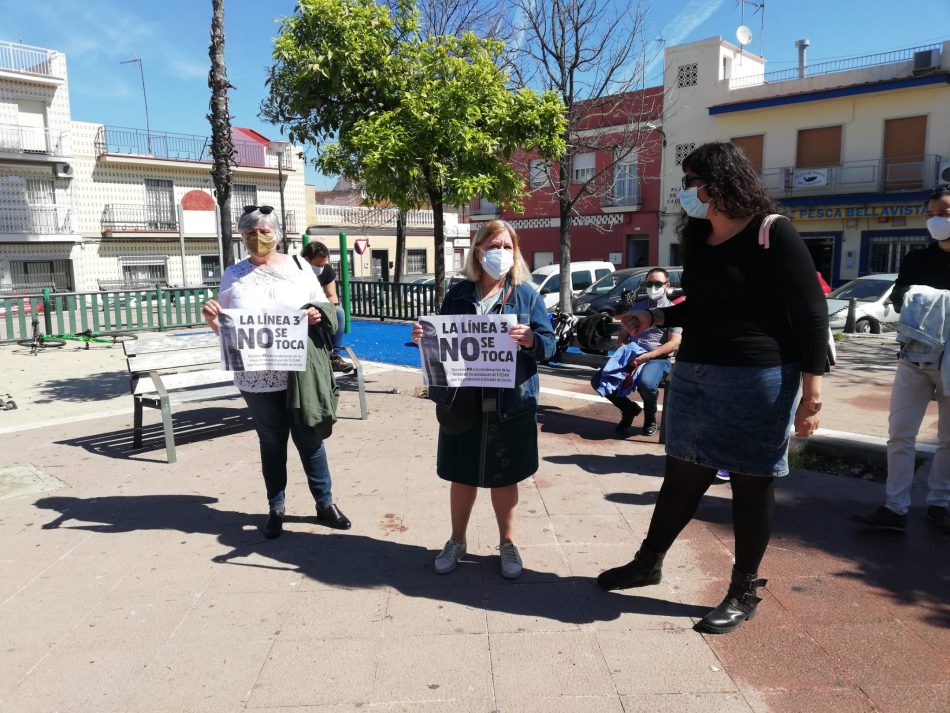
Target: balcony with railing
[
  {"x": 481, "y": 209},
  {"x": 880, "y": 59},
  {"x": 30, "y": 63},
  {"x": 117, "y": 143},
  {"x": 623, "y": 197},
  {"x": 131, "y": 218},
  {"x": 372, "y": 218},
  {"x": 866, "y": 176},
  {"x": 26, "y": 141},
  {"x": 35, "y": 220}
]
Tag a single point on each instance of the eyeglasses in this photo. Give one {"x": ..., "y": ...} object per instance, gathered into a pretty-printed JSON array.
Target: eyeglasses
[
  {"x": 655, "y": 284},
  {"x": 265, "y": 209},
  {"x": 689, "y": 180}
]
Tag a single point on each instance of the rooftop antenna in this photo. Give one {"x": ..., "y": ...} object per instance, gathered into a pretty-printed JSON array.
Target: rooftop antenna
[
  {"x": 148, "y": 130},
  {"x": 758, "y": 6}
]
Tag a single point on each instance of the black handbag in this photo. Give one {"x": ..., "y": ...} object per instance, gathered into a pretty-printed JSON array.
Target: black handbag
[{"x": 462, "y": 415}]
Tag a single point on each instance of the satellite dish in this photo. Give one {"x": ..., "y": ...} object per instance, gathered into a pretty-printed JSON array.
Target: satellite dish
[{"x": 744, "y": 35}]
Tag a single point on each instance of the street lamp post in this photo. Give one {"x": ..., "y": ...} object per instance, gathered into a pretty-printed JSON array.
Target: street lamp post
[{"x": 279, "y": 147}]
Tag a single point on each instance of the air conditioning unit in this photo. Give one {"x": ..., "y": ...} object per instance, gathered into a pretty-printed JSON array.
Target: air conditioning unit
[
  {"x": 63, "y": 170},
  {"x": 943, "y": 173},
  {"x": 926, "y": 61}
]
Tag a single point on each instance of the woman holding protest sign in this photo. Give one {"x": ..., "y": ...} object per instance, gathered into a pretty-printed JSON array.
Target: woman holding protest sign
[
  {"x": 265, "y": 280},
  {"x": 488, "y": 437}
]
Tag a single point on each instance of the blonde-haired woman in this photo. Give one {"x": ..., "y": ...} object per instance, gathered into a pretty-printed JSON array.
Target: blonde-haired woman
[{"x": 493, "y": 442}]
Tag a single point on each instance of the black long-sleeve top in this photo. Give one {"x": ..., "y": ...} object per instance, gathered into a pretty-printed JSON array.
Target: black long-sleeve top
[
  {"x": 929, "y": 267},
  {"x": 751, "y": 306}
]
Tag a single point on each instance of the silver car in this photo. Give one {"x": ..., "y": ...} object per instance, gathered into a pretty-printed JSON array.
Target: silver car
[{"x": 874, "y": 310}]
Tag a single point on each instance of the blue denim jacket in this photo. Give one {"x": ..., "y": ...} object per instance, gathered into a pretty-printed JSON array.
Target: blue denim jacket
[{"x": 524, "y": 299}]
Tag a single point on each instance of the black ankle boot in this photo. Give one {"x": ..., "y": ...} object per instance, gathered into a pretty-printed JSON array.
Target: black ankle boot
[
  {"x": 645, "y": 568},
  {"x": 739, "y": 605}
]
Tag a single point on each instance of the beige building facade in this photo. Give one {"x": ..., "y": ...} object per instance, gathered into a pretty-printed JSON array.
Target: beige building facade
[{"x": 851, "y": 148}]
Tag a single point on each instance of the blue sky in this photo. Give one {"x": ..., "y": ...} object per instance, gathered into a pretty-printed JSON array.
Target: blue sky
[{"x": 171, "y": 37}]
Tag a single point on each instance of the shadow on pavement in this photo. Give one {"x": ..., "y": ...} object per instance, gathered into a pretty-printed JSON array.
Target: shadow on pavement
[
  {"x": 356, "y": 561},
  {"x": 190, "y": 426},
  {"x": 648, "y": 464},
  {"x": 94, "y": 387}
]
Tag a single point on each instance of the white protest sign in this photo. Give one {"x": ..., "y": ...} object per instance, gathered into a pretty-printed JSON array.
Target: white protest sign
[
  {"x": 263, "y": 340},
  {"x": 468, "y": 350}
]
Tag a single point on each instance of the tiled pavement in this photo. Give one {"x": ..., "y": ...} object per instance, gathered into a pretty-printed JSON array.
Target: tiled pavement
[{"x": 132, "y": 585}]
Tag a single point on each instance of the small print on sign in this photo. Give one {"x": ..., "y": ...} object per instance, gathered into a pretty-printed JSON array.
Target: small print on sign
[
  {"x": 268, "y": 340},
  {"x": 468, "y": 350}
]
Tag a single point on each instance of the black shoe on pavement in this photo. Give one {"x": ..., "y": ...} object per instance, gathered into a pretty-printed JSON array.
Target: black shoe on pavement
[
  {"x": 332, "y": 517},
  {"x": 274, "y": 525},
  {"x": 883, "y": 519},
  {"x": 630, "y": 411},
  {"x": 939, "y": 517},
  {"x": 339, "y": 364},
  {"x": 644, "y": 569},
  {"x": 649, "y": 425},
  {"x": 738, "y": 606}
]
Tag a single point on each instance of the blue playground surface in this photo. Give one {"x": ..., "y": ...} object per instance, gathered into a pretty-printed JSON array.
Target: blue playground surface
[{"x": 387, "y": 342}]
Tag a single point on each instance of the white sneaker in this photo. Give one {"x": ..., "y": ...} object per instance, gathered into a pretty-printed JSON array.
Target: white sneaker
[
  {"x": 511, "y": 566},
  {"x": 449, "y": 557}
]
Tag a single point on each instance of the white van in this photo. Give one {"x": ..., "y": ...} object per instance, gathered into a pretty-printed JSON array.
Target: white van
[{"x": 583, "y": 274}]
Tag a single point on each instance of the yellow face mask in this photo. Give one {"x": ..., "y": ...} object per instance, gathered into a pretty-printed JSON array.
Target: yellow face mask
[{"x": 259, "y": 243}]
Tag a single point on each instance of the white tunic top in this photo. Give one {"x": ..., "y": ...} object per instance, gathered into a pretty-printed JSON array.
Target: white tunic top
[{"x": 249, "y": 286}]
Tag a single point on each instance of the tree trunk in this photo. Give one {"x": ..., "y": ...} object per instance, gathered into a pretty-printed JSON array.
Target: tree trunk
[
  {"x": 400, "y": 244},
  {"x": 438, "y": 233},
  {"x": 564, "y": 233},
  {"x": 222, "y": 147}
]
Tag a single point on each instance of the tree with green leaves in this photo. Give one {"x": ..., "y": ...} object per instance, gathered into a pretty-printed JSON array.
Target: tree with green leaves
[
  {"x": 222, "y": 146},
  {"x": 416, "y": 119}
]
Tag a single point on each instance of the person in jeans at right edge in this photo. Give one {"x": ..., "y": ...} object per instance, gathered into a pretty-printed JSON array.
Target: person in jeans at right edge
[
  {"x": 318, "y": 256},
  {"x": 915, "y": 383}
]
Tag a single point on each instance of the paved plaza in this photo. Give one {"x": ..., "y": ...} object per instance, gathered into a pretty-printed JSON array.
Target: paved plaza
[{"x": 135, "y": 586}]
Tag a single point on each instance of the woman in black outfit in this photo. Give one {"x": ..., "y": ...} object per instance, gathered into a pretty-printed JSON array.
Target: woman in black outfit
[{"x": 754, "y": 337}]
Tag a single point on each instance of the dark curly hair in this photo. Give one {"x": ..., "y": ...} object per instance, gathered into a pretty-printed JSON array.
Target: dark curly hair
[
  {"x": 732, "y": 183},
  {"x": 940, "y": 192}
]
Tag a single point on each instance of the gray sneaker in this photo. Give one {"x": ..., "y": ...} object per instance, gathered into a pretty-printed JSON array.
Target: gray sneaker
[
  {"x": 511, "y": 566},
  {"x": 883, "y": 519},
  {"x": 449, "y": 557}
]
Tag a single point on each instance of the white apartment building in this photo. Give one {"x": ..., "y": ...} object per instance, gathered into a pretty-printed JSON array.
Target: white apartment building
[
  {"x": 850, "y": 148},
  {"x": 84, "y": 205}
]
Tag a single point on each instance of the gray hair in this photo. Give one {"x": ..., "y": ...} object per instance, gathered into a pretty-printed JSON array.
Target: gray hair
[{"x": 255, "y": 218}]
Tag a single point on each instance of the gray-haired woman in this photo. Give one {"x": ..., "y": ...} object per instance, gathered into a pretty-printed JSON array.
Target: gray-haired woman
[{"x": 268, "y": 279}]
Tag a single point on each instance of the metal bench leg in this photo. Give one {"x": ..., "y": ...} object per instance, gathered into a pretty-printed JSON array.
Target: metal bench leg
[
  {"x": 169, "y": 430},
  {"x": 663, "y": 415},
  {"x": 358, "y": 370},
  {"x": 137, "y": 425}
]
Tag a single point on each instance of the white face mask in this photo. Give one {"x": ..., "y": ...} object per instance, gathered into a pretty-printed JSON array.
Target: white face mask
[
  {"x": 317, "y": 270},
  {"x": 939, "y": 227},
  {"x": 655, "y": 293},
  {"x": 497, "y": 263}
]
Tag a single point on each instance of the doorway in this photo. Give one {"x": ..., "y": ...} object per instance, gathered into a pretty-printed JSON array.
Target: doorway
[
  {"x": 379, "y": 264},
  {"x": 822, "y": 249},
  {"x": 638, "y": 252}
]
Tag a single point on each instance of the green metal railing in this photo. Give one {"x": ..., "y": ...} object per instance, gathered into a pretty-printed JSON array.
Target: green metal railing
[
  {"x": 391, "y": 300},
  {"x": 154, "y": 309}
]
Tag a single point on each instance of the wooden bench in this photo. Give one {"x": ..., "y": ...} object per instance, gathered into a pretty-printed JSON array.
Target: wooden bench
[
  {"x": 175, "y": 370},
  {"x": 597, "y": 361}
]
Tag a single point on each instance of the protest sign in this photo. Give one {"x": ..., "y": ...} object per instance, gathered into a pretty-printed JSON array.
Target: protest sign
[
  {"x": 468, "y": 350},
  {"x": 263, "y": 340}
]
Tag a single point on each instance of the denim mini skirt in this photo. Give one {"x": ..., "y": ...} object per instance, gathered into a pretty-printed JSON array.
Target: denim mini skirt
[{"x": 736, "y": 418}]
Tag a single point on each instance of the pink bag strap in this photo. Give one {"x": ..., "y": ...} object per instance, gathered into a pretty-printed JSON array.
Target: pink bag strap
[{"x": 766, "y": 227}]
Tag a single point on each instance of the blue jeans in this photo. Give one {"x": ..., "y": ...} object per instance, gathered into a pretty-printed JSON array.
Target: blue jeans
[
  {"x": 338, "y": 335},
  {"x": 648, "y": 385},
  {"x": 273, "y": 424}
]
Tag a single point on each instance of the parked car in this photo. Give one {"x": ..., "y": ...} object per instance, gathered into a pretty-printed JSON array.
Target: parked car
[
  {"x": 10, "y": 304},
  {"x": 547, "y": 279},
  {"x": 615, "y": 292},
  {"x": 874, "y": 310}
]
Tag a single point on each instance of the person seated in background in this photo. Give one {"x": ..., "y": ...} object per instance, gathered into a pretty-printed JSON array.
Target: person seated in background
[
  {"x": 659, "y": 344},
  {"x": 318, "y": 256}
]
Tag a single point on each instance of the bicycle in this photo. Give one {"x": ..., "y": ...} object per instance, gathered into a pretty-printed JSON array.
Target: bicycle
[{"x": 43, "y": 341}]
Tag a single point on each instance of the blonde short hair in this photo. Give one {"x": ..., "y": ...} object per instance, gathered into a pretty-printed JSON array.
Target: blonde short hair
[{"x": 473, "y": 268}]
